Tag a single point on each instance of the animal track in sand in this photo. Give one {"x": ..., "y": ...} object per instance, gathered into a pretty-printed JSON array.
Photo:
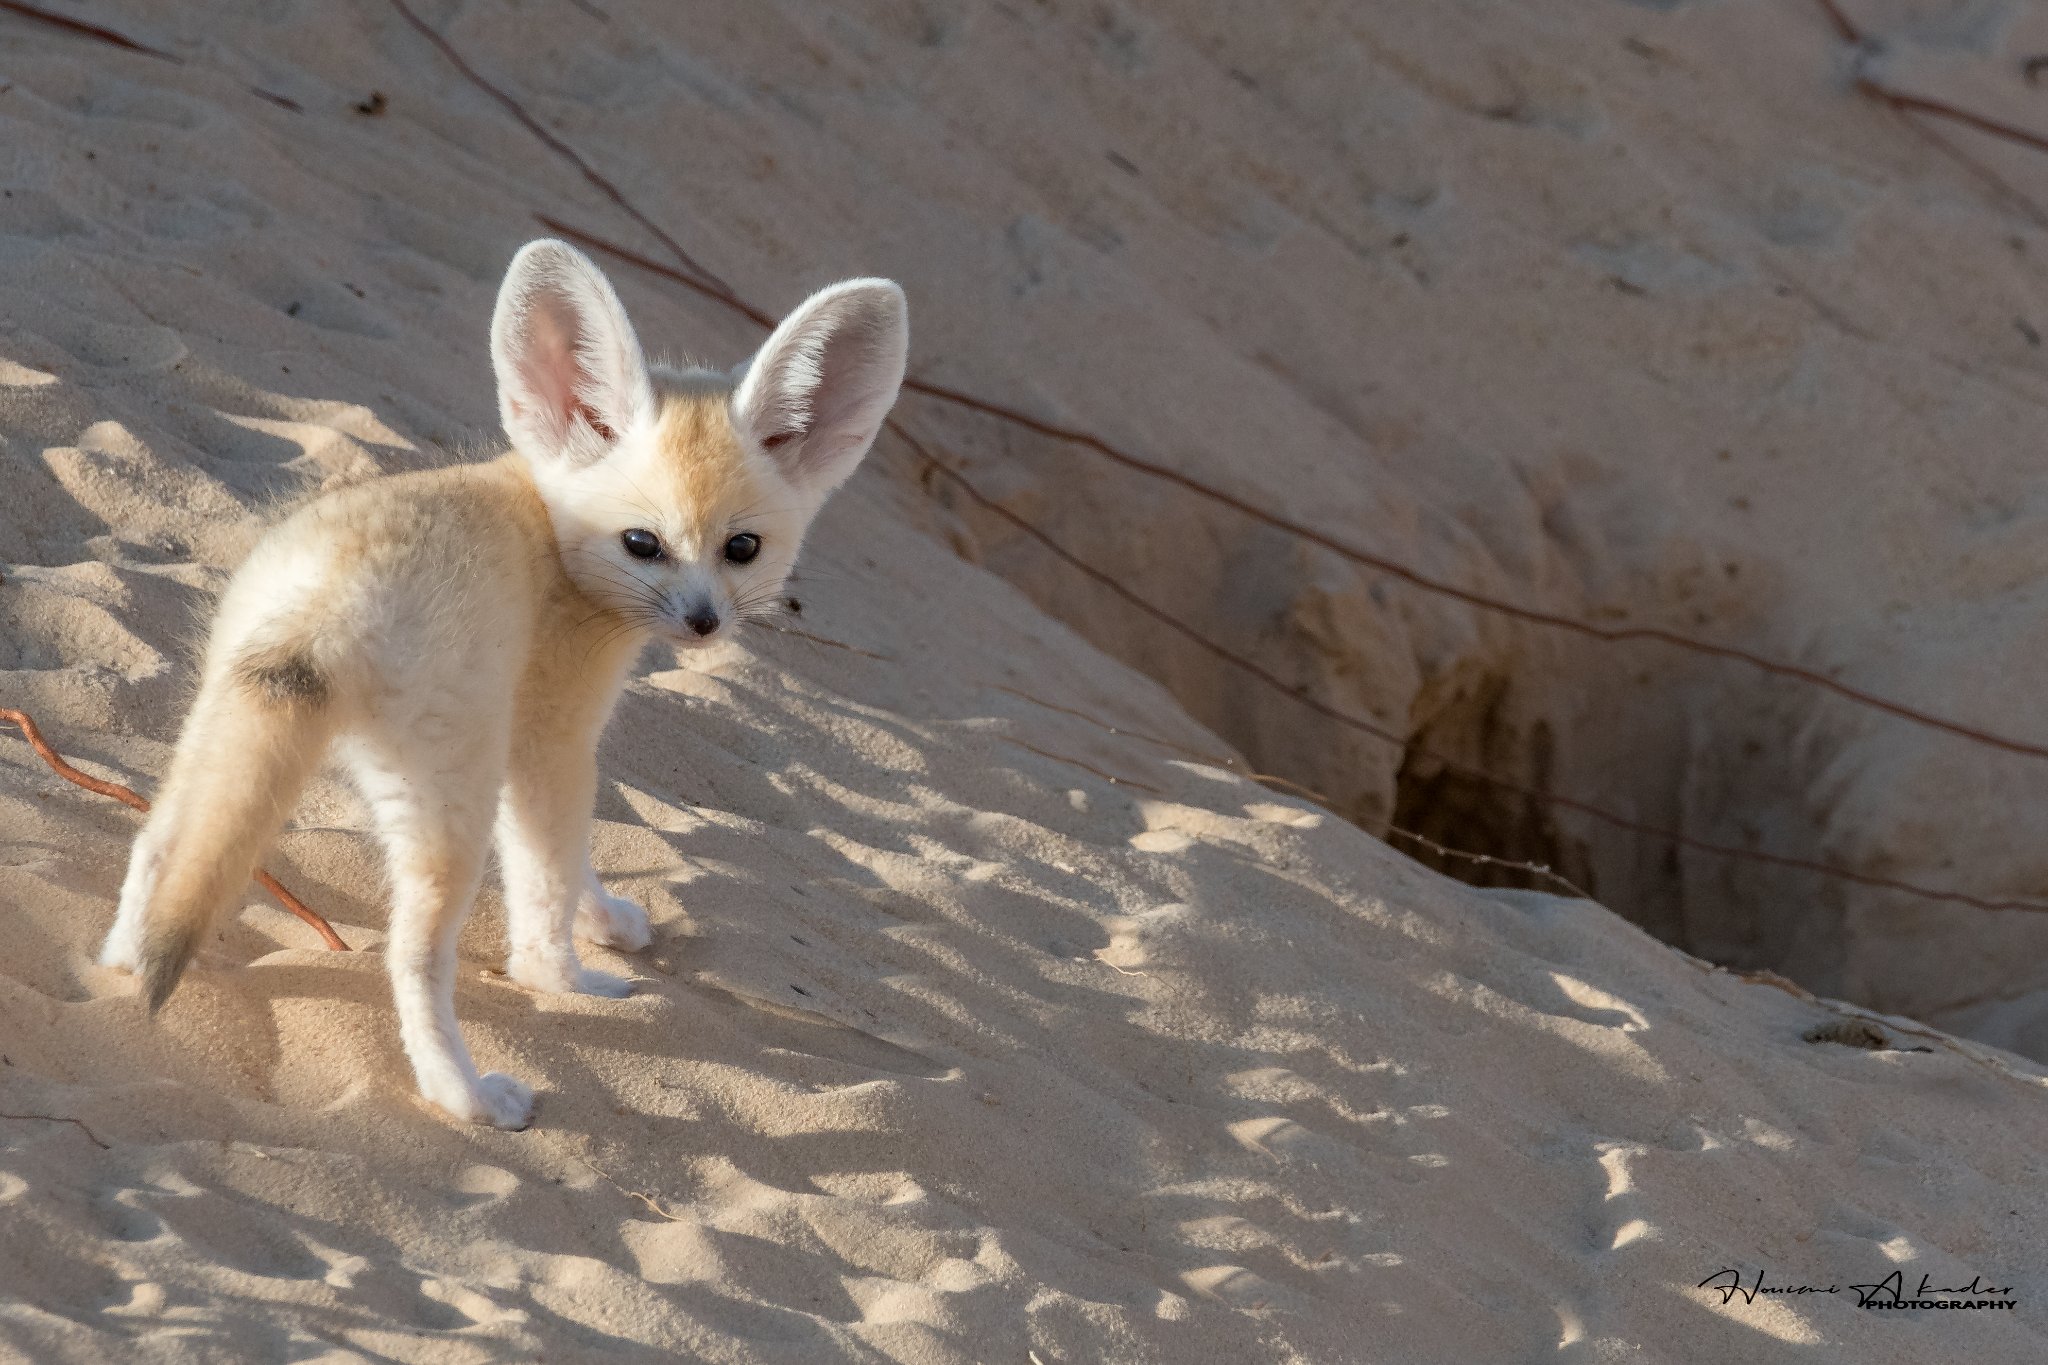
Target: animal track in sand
[{"x": 478, "y": 1185}]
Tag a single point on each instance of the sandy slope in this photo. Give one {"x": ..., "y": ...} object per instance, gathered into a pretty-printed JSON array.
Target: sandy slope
[
  {"x": 1631, "y": 311},
  {"x": 991, "y": 1014}
]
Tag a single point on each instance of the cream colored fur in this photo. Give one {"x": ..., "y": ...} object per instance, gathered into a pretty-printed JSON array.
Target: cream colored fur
[{"x": 458, "y": 638}]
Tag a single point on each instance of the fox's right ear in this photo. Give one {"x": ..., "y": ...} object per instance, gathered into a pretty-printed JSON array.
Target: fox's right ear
[{"x": 571, "y": 377}]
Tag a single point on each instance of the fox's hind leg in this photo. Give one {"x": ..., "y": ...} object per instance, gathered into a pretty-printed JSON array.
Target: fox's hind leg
[
  {"x": 123, "y": 948},
  {"x": 432, "y": 803},
  {"x": 544, "y": 851},
  {"x": 257, "y": 730},
  {"x": 611, "y": 920}
]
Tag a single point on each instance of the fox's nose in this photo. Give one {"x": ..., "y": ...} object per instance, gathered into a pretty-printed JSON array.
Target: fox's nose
[{"x": 703, "y": 620}]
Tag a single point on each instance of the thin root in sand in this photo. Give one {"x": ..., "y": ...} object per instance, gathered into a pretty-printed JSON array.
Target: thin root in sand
[
  {"x": 128, "y": 796},
  {"x": 79, "y": 1124},
  {"x": 655, "y": 1205}
]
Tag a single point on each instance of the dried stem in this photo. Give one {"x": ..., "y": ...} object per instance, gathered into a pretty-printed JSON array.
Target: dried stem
[
  {"x": 85, "y": 30},
  {"x": 827, "y": 640},
  {"x": 1845, "y": 27},
  {"x": 654, "y": 1205},
  {"x": 1108, "y": 777},
  {"x": 127, "y": 796},
  {"x": 554, "y": 144},
  {"x": 110, "y": 37},
  {"x": 1488, "y": 860},
  {"x": 59, "y": 1118}
]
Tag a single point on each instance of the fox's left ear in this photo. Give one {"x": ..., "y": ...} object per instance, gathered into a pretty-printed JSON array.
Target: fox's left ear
[
  {"x": 816, "y": 392},
  {"x": 570, "y": 374}
]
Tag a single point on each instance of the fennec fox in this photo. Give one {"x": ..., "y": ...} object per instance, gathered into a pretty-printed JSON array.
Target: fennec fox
[{"x": 459, "y": 637}]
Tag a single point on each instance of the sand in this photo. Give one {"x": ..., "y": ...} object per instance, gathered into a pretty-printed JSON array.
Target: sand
[{"x": 994, "y": 1013}]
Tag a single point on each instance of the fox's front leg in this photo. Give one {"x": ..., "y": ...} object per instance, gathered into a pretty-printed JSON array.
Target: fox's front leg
[
  {"x": 432, "y": 806},
  {"x": 544, "y": 849}
]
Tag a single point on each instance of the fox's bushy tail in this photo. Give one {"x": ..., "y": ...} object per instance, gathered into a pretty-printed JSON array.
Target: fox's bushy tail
[{"x": 256, "y": 733}]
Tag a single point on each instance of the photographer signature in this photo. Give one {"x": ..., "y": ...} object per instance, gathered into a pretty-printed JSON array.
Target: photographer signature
[{"x": 1889, "y": 1292}]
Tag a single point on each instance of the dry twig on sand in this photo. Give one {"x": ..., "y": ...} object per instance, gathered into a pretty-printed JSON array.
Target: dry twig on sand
[{"x": 128, "y": 796}]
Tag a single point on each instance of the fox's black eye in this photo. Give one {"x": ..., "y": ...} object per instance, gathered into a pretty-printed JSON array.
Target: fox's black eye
[
  {"x": 743, "y": 547},
  {"x": 642, "y": 544}
]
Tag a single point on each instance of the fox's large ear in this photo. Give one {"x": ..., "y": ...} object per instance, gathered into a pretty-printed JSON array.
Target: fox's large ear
[
  {"x": 816, "y": 392},
  {"x": 570, "y": 374}
]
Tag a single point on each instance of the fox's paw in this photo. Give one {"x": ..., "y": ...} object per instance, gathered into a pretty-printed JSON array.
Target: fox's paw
[
  {"x": 496, "y": 1099},
  {"x": 123, "y": 948},
  {"x": 613, "y": 921},
  {"x": 562, "y": 973},
  {"x": 592, "y": 982},
  {"x": 121, "y": 956}
]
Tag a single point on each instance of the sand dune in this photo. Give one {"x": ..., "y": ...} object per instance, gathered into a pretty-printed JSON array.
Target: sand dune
[{"x": 994, "y": 1013}]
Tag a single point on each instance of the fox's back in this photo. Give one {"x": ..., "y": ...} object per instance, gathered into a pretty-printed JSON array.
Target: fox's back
[{"x": 386, "y": 585}]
